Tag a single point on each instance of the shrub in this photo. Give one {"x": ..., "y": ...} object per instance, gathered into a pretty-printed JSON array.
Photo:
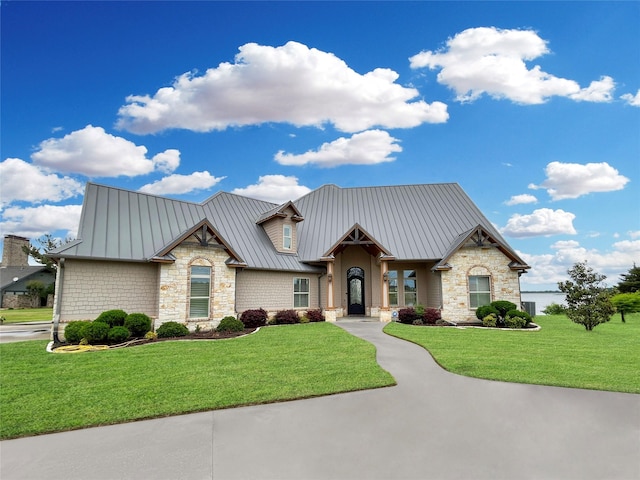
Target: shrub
[
  {"x": 490, "y": 320},
  {"x": 113, "y": 318},
  {"x": 303, "y": 319},
  {"x": 483, "y": 311},
  {"x": 514, "y": 322},
  {"x": 431, "y": 316},
  {"x": 73, "y": 331},
  {"x": 95, "y": 332},
  {"x": 287, "y": 317},
  {"x": 151, "y": 336},
  {"x": 519, "y": 313},
  {"x": 503, "y": 306},
  {"x": 230, "y": 324},
  {"x": 315, "y": 315},
  {"x": 172, "y": 329},
  {"x": 417, "y": 321},
  {"x": 554, "y": 309},
  {"x": 118, "y": 334},
  {"x": 254, "y": 318},
  {"x": 138, "y": 324},
  {"x": 407, "y": 315}
]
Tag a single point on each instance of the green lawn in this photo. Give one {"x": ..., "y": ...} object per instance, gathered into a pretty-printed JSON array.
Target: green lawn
[
  {"x": 562, "y": 353},
  {"x": 47, "y": 392},
  {"x": 27, "y": 315}
]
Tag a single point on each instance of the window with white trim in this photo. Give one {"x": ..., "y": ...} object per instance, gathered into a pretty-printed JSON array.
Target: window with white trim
[
  {"x": 200, "y": 292},
  {"x": 301, "y": 293},
  {"x": 479, "y": 290},
  {"x": 287, "y": 237},
  {"x": 392, "y": 276},
  {"x": 410, "y": 288}
]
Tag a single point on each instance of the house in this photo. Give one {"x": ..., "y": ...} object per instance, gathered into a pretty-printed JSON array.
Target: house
[
  {"x": 349, "y": 251},
  {"x": 16, "y": 274}
]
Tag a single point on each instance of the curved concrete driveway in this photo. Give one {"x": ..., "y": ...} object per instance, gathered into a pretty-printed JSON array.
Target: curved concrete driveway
[{"x": 432, "y": 425}]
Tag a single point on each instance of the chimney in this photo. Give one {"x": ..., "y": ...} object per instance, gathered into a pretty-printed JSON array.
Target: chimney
[{"x": 12, "y": 254}]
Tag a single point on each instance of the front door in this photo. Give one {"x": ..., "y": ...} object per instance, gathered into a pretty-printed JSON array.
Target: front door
[{"x": 355, "y": 291}]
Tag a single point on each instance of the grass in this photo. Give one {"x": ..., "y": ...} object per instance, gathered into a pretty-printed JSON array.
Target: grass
[
  {"x": 562, "y": 353},
  {"x": 43, "y": 392},
  {"x": 20, "y": 315}
]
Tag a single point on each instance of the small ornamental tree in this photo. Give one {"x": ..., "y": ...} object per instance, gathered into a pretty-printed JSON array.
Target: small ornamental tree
[
  {"x": 626, "y": 303},
  {"x": 588, "y": 300},
  {"x": 630, "y": 281}
]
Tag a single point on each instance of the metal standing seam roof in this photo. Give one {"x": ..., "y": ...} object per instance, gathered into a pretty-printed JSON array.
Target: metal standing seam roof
[{"x": 413, "y": 222}]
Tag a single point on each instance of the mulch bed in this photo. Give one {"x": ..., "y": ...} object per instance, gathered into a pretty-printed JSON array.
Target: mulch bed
[{"x": 212, "y": 335}]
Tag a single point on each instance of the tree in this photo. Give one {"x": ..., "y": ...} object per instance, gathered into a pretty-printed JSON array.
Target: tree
[
  {"x": 630, "y": 281},
  {"x": 36, "y": 290},
  {"x": 47, "y": 243},
  {"x": 588, "y": 301},
  {"x": 626, "y": 303}
]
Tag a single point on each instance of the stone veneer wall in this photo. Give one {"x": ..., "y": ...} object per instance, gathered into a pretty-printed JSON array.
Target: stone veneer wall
[
  {"x": 175, "y": 285},
  {"x": 91, "y": 287},
  {"x": 505, "y": 283}
]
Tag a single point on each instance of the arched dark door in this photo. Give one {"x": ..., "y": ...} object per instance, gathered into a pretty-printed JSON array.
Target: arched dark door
[{"x": 355, "y": 291}]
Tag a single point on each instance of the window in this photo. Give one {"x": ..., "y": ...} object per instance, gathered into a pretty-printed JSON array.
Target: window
[
  {"x": 393, "y": 287},
  {"x": 301, "y": 293},
  {"x": 479, "y": 291},
  {"x": 286, "y": 237},
  {"x": 410, "y": 288},
  {"x": 200, "y": 292}
]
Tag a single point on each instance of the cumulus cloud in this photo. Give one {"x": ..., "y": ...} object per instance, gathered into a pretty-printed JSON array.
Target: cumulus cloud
[
  {"x": 542, "y": 222},
  {"x": 179, "y": 184},
  {"x": 22, "y": 181},
  {"x": 274, "y": 188},
  {"x": 34, "y": 222},
  {"x": 493, "y": 61},
  {"x": 366, "y": 148},
  {"x": 291, "y": 83},
  {"x": 521, "y": 199},
  {"x": 95, "y": 153},
  {"x": 633, "y": 100},
  {"x": 552, "y": 267},
  {"x": 572, "y": 180}
]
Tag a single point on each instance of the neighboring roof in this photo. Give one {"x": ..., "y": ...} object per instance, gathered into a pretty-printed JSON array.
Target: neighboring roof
[
  {"x": 411, "y": 222},
  {"x": 8, "y": 274}
]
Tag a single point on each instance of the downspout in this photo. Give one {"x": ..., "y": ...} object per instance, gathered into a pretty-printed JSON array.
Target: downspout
[{"x": 56, "y": 314}]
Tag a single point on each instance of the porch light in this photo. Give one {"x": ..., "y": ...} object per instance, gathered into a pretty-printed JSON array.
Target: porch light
[
  {"x": 385, "y": 276},
  {"x": 330, "y": 277}
]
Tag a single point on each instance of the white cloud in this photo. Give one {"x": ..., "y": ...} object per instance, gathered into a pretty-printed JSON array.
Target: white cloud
[
  {"x": 521, "y": 199},
  {"x": 94, "y": 153},
  {"x": 33, "y": 222},
  {"x": 22, "y": 181},
  {"x": 552, "y": 268},
  {"x": 366, "y": 148},
  {"x": 274, "y": 188},
  {"x": 492, "y": 61},
  {"x": 572, "y": 180},
  {"x": 542, "y": 222},
  {"x": 291, "y": 83},
  {"x": 633, "y": 100},
  {"x": 635, "y": 234},
  {"x": 178, "y": 184}
]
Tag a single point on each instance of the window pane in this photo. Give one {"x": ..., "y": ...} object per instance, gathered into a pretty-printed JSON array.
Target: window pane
[
  {"x": 479, "y": 299},
  {"x": 301, "y": 285},
  {"x": 300, "y": 300},
  {"x": 200, "y": 271},
  {"x": 199, "y": 308},
  {"x": 479, "y": 291},
  {"x": 286, "y": 237},
  {"x": 393, "y": 298},
  {"x": 200, "y": 287},
  {"x": 200, "y": 292}
]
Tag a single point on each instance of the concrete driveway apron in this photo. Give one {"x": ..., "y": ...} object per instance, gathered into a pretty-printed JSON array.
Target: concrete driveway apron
[{"x": 432, "y": 425}]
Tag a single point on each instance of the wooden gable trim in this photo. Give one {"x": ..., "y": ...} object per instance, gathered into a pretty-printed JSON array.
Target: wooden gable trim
[
  {"x": 280, "y": 212},
  {"x": 357, "y": 236}
]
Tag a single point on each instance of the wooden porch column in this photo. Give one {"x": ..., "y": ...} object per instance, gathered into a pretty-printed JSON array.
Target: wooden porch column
[
  {"x": 384, "y": 269},
  {"x": 330, "y": 285}
]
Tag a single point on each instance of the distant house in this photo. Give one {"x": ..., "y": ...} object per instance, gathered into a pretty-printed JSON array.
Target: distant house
[
  {"x": 349, "y": 251},
  {"x": 16, "y": 273}
]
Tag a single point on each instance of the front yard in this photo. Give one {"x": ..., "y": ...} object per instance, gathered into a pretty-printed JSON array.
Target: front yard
[
  {"x": 43, "y": 392},
  {"x": 18, "y": 315},
  {"x": 561, "y": 354}
]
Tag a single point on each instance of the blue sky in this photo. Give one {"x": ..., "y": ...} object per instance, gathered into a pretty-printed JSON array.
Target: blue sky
[{"x": 532, "y": 107}]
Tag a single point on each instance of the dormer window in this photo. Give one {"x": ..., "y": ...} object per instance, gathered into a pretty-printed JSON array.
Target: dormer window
[{"x": 287, "y": 239}]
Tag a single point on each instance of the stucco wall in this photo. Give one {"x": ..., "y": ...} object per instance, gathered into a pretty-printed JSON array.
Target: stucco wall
[
  {"x": 505, "y": 283},
  {"x": 272, "y": 291},
  {"x": 90, "y": 288}
]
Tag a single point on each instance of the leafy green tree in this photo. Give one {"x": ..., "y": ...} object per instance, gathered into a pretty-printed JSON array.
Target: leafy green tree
[
  {"x": 46, "y": 244},
  {"x": 626, "y": 303},
  {"x": 36, "y": 290},
  {"x": 588, "y": 300},
  {"x": 630, "y": 281}
]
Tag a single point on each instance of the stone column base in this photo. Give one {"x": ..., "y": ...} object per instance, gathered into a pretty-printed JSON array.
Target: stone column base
[
  {"x": 385, "y": 315},
  {"x": 330, "y": 316}
]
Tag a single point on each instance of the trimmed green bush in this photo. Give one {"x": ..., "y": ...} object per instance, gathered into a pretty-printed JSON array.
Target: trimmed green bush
[
  {"x": 73, "y": 331},
  {"x": 118, "y": 334},
  {"x": 113, "y": 318},
  {"x": 287, "y": 317},
  {"x": 503, "y": 306},
  {"x": 519, "y": 313},
  {"x": 172, "y": 329},
  {"x": 490, "y": 320},
  {"x": 484, "y": 310},
  {"x": 138, "y": 324},
  {"x": 230, "y": 324},
  {"x": 514, "y": 322},
  {"x": 254, "y": 318},
  {"x": 96, "y": 332},
  {"x": 554, "y": 309}
]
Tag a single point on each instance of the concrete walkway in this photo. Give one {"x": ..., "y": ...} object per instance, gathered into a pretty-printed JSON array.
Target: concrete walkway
[{"x": 432, "y": 425}]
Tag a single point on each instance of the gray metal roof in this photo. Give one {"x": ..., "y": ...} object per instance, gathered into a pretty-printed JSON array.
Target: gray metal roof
[{"x": 412, "y": 222}]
